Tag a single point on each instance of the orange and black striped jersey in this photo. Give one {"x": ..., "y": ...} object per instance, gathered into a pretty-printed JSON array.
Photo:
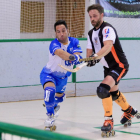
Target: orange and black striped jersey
[{"x": 116, "y": 57}]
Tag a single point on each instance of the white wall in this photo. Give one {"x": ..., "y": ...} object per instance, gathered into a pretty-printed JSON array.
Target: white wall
[
  {"x": 10, "y": 19},
  {"x": 21, "y": 63}
]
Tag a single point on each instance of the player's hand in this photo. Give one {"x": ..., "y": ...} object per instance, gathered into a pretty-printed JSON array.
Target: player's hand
[
  {"x": 93, "y": 62},
  {"x": 74, "y": 58}
]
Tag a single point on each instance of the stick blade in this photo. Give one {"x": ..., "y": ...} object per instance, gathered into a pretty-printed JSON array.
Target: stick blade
[
  {"x": 74, "y": 70},
  {"x": 65, "y": 68}
]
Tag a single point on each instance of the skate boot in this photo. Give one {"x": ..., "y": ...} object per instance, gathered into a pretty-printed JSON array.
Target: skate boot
[
  {"x": 56, "y": 108},
  {"x": 50, "y": 123},
  {"x": 107, "y": 128},
  {"x": 128, "y": 115}
]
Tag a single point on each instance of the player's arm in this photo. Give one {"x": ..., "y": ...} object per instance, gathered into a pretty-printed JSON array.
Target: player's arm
[
  {"x": 105, "y": 49},
  {"x": 67, "y": 56},
  {"x": 64, "y": 55},
  {"x": 89, "y": 52}
]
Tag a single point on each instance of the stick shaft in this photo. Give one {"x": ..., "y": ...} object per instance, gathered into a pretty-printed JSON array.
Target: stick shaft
[{"x": 87, "y": 59}]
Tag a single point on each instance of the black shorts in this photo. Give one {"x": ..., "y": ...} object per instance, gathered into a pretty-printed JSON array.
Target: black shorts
[{"x": 117, "y": 73}]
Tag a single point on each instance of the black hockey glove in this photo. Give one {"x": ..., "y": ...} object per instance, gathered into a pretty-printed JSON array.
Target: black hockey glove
[{"x": 92, "y": 62}]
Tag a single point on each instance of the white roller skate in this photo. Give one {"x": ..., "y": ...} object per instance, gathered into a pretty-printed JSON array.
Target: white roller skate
[
  {"x": 128, "y": 115},
  {"x": 107, "y": 128},
  {"x": 56, "y": 113},
  {"x": 50, "y": 123}
]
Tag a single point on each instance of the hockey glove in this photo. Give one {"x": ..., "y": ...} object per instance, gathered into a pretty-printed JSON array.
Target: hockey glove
[
  {"x": 74, "y": 58},
  {"x": 93, "y": 62}
]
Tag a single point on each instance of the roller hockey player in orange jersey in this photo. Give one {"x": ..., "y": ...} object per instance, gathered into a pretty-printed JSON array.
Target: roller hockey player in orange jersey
[{"x": 104, "y": 46}]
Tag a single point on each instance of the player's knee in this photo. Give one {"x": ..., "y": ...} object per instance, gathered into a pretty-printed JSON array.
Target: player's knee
[
  {"x": 60, "y": 99},
  {"x": 115, "y": 95},
  {"x": 49, "y": 96},
  {"x": 103, "y": 91}
]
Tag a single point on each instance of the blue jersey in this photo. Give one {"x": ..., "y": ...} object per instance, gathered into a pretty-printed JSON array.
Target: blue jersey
[{"x": 52, "y": 65}]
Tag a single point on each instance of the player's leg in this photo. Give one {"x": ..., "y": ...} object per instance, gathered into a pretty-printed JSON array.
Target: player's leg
[
  {"x": 108, "y": 82},
  {"x": 48, "y": 83},
  {"x": 60, "y": 89},
  {"x": 59, "y": 97},
  {"x": 104, "y": 94},
  {"x": 120, "y": 99},
  {"x": 49, "y": 100},
  {"x": 129, "y": 111},
  {"x": 49, "y": 97}
]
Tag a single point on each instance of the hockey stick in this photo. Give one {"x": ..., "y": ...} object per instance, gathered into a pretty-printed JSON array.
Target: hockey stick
[
  {"x": 87, "y": 59},
  {"x": 74, "y": 70},
  {"x": 82, "y": 65}
]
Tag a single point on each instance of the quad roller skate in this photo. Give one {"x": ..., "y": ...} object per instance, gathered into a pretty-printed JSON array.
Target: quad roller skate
[
  {"x": 107, "y": 128},
  {"x": 50, "y": 123},
  {"x": 128, "y": 115},
  {"x": 56, "y": 111}
]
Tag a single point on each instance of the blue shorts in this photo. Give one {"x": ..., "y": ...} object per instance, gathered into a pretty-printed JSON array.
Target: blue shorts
[{"x": 60, "y": 84}]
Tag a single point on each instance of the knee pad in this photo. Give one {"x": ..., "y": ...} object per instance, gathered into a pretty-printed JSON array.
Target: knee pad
[
  {"x": 49, "y": 96},
  {"x": 103, "y": 91},
  {"x": 60, "y": 99},
  {"x": 115, "y": 95}
]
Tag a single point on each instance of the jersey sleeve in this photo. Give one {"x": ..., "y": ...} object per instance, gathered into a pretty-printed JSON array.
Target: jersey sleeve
[
  {"x": 109, "y": 34},
  {"x": 89, "y": 45},
  {"x": 54, "y": 46},
  {"x": 76, "y": 46}
]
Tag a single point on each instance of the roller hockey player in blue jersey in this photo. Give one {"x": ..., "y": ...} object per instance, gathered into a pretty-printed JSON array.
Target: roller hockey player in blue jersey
[{"x": 66, "y": 51}]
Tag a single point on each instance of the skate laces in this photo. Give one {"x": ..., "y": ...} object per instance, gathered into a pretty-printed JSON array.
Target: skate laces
[
  {"x": 128, "y": 114},
  {"x": 108, "y": 122}
]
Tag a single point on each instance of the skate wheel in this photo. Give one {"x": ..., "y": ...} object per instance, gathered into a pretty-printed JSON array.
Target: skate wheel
[
  {"x": 125, "y": 125},
  {"x": 113, "y": 133},
  {"x": 103, "y": 134},
  {"x": 53, "y": 128},
  {"x": 108, "y": 134},
  {"x": 138, "y": 115},
  {"x": 129, "y": 124}
]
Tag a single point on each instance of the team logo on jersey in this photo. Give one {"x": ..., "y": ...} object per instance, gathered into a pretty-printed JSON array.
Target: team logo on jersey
[
  {"x": 96, "y": 40},
  {"x": 68, "y": 63},
  {"x": 107, "y": 31}
]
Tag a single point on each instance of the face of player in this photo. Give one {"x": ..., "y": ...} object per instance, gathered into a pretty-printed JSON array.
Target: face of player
[
  {"x": 96, "y": 18},
  {"x": 62, "y": 33}
]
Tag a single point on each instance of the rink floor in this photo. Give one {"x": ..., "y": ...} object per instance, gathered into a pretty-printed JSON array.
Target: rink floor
[{"x": 78, "y": 116}]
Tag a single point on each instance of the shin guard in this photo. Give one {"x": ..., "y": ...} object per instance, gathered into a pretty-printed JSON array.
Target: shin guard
[
  {"x": 122, "y": 102},
  {"x": 49, "y": 99},
  {"x": 59, "y": 99},
  {"x": 107, "y": 104}
]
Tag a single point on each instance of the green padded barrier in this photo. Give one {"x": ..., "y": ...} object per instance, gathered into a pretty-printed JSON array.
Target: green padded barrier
[{"x": 33, "y": 133}]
